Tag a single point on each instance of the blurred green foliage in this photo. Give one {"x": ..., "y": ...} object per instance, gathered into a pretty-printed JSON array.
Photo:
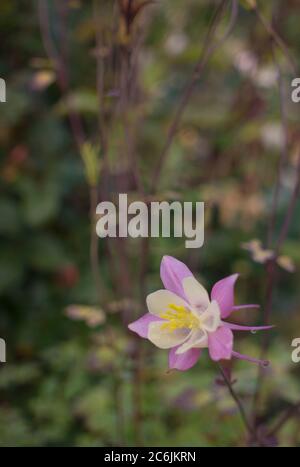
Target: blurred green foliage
[{"x": 65, "y": 383}]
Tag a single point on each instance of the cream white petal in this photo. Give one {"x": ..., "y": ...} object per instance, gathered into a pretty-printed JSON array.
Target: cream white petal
[
  {"x": 195, "y": 293},
  {"x": 164, "y": 338},
  {"x": 197, "y": 338},
  {"x": 211, "y": 318},
  {"x": 158, "y": 302}
]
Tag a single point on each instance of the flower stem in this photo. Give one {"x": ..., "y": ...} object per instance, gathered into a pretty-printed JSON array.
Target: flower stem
[
  {"x": 292, "y": 411},
  {"x": 94, "y": 259},
  {"x": 239, "y": 404},
  {"x": 277, "y": 39}
]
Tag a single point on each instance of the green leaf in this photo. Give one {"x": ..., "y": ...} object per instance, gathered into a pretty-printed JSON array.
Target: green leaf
[
  {"x": 46, "y": 253},
  {"x": 11, "y": 271},
  {"x": 9, "y": 215},
  {"x": 84, "y": 101},
  {"x": 40, "y": 201}
]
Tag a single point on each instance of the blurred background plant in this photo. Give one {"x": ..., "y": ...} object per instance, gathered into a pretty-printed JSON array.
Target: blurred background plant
[{"x": 167, "y": 99}]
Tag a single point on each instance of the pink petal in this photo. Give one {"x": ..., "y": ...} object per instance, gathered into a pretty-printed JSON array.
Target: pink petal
[
  {"x": 183, "y": 361},
  {"x": 220, "y": 344},
  {"x": 141, "y": 325},
  {"x": 240, "y": 356},
  {"x": 223, "y": 293},
  {"x": 237, "y": 327},
  {"x": 172, "y": 273}
]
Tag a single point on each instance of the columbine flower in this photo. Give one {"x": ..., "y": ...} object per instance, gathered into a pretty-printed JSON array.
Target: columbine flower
[{"x": 183, "y": 318}]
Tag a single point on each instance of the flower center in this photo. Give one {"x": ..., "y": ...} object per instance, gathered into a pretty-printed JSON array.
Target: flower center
[{"x": 178, "y": 317}]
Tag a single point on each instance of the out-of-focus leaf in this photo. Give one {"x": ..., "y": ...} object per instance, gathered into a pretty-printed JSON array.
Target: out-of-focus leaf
[
  {"x": 15, "y": 430},
  {"x": 46, "y": 253},
  {"x": 84, "y": 101},
  {"x": 40, "y": 201},
  {"x": 90, "y": 156},
  {"x": 11, "y": 271},
  {"x": 94, "y": 402},
  {"x": 10, "y": 217},
  {"x": 18, "y": 375},
  {"x": 15, "y": 108}
]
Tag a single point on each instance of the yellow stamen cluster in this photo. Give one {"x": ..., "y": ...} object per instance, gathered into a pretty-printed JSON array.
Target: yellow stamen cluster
[{"x": 179, "y": 317}]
